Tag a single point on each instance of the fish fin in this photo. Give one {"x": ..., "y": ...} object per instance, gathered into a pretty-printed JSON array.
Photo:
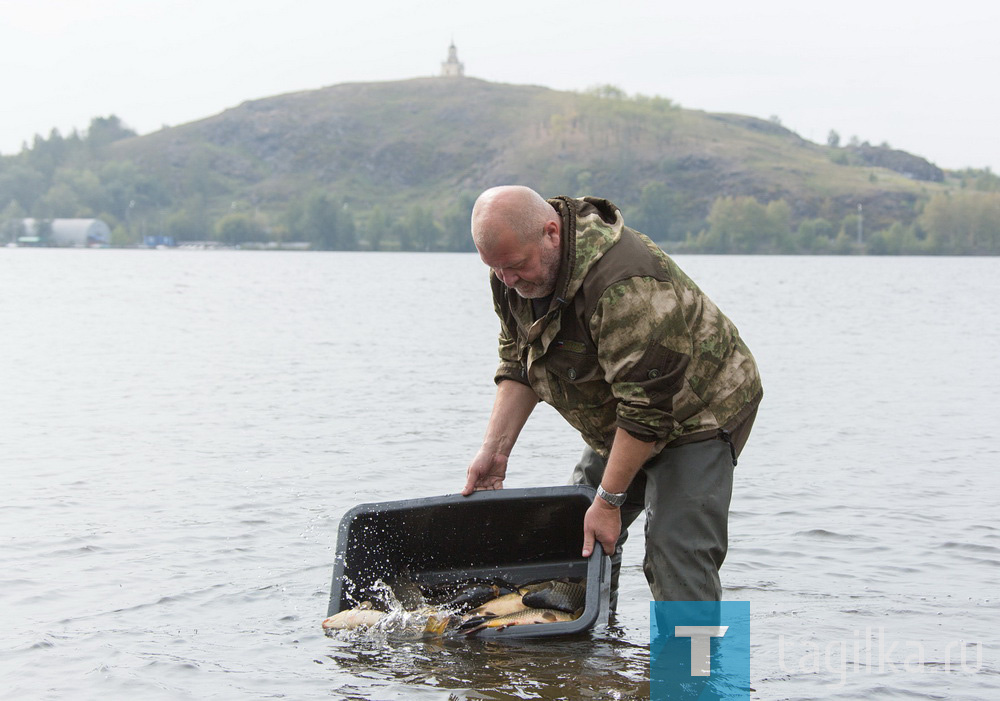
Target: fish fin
[{"x": 549, "y": 616}]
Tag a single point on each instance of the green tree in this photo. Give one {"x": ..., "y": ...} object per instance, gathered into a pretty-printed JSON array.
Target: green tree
[
  {"x": 12, "y": 222},
  {"x": 833, "y": 139},
  {"x": 402, "y": 232},
  {"x": 814, "y": 236},
  {"x": 844, "y": 243},
  {"x": 607, "y": 91},
  {"x": 21, "y": 182},
  {"x": 898, "y": 239},
  {"x": 324, "y": 222},
  {"x": 421, "y": 231},
  {"x": 455, "y": 223},
  {"x": 237, "y": 228},
  {"x": 655, "y": 212},
  {"x": 187, "y": 224},
  {"x": 777, "y": 236},
  {"x": 106, "y": 130},
  {"x": 121, "y": 237},
  {"x": 130, "y": 194},
  {"x": 744, "y": 225},
  {"x": 963, "y": 222},
  {"x": 848, "y": 232},
  {"x": 377, "y": 226}
]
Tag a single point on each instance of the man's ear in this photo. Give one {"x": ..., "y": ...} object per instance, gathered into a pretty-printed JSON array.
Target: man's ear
[{"x": 551, "y": 231}]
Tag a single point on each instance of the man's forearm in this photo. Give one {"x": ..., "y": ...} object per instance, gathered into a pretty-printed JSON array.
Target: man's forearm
[
  {"x": 602, "y": 522},
  {"x": 511, "y": 408},
  {"x": 627, "y": 456}
]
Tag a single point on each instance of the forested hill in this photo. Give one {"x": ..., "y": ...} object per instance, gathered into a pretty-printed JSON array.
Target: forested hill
[{"x": 397, "y": 165}]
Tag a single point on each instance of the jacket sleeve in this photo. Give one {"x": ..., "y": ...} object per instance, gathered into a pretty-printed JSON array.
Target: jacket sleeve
[{"x": 644, "y": 348}]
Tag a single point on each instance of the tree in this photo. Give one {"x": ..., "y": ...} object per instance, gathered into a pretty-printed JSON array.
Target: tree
[
  {"x": 814, "y": 236},
  {"x": 12, "y": 222},
  {"x": 898, "y": 239},
  {"x": 654, "y": 214},
  {"x": 59, "y": 201},
  {"x": 425, "y": 231},
  {"x": 237, "y": 228},
  {"x": 187, "y": 224},
  {"x": 107, "y": 130},
  {"x": 963, "y": 222},
  {"x": 456, "y": 224},
  {"x": 417, "y": 231},
  {"x": 377, "y": 226},
  {"x": 607, "y": 91},
  {"x": 402, "y": 233},
  {"x": 833, "y": 139},
  {"x": 744, "y": 225},
  {"x": 22, "y": 183},
  {"x": 323, "y": 221},
  {"x": 777, "y": 236}
]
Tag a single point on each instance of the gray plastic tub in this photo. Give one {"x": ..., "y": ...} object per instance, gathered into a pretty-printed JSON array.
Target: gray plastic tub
[{"x": 518, "y": 535}]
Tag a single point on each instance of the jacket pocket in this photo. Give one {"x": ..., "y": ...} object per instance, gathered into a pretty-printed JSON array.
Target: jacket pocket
[
  {"x": 579, "y": 379},
  {"x": 659, "y": 373}
]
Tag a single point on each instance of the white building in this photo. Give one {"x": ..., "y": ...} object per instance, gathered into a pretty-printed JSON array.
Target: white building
[
  {"x": 71, "y": 232},
  {"x": 452, "y": 68}
]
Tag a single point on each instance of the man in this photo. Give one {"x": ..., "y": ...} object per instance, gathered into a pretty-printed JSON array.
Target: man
[{"x": 598, "y": 322}]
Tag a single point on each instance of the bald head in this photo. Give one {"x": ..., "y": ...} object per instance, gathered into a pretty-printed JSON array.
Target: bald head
[{"x": 510, "y": 209}]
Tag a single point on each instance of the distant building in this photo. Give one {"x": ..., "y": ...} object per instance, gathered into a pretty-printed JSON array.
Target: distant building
[
  {"x": 452, "y": 68},
  {"x": 68, "y": 232},
  {"x": 158, "y": 241}
]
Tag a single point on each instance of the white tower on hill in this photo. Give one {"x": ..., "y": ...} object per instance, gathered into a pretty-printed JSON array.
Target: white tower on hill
[{"x": 452, "y": 68}]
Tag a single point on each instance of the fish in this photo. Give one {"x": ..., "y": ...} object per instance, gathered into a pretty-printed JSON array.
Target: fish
[
  {"x": 514, "y": 602},
  {"x": 476, "y": 596},
  {"x": 426, "y": 620},
  {"x": 364, "y": 616},
  {"x": 438, "y": 622},
  {"x": 519, "y": 618},
  {"x": 558, "y": 595},
  {"x": 502, "y": 605},
  {"x": 406, "y": 591}
]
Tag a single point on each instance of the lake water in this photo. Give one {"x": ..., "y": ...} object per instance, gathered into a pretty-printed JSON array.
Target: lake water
[{"x": 181, "y": 431}]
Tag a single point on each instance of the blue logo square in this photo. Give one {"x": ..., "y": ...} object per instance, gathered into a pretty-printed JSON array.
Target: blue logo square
[{"x": 699, "y": 650}]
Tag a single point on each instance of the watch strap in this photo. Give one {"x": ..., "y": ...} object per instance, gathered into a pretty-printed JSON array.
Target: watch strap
[{"x": 613, "y": 498}]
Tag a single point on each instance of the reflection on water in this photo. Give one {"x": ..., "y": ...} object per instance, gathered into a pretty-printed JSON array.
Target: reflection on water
[{"x": 605, "y": 667}]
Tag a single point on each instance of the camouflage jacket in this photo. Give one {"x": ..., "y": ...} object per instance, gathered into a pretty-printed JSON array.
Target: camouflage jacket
[{"x": 628, "y": 339}]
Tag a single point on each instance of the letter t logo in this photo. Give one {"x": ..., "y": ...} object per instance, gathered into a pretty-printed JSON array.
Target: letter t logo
[{"x": 701, "y": 646}]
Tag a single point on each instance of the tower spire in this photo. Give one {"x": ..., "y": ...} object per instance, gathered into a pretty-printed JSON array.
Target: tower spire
[{"x": 452, "y": 68}]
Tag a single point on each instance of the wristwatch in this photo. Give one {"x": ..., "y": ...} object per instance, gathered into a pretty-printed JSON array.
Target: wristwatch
[{"x": 613, "y": 498}]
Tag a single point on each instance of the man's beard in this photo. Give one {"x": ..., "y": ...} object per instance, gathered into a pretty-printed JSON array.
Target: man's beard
[{"x": 549, "y": 259}]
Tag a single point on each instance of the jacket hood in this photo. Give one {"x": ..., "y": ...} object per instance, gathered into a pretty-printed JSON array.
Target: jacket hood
[{"x": 590, "y": 226}]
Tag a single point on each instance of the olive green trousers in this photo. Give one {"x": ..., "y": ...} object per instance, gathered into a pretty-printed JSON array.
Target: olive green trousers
[{"x": 685, "y": 492}]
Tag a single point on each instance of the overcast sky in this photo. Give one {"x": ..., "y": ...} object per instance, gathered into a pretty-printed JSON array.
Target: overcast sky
[{"x": 922, "y": 76}]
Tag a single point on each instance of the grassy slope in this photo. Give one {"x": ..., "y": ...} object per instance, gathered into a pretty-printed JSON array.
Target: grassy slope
[{"x": 429, "y": 139}]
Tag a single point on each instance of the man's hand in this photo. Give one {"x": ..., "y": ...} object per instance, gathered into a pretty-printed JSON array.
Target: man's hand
[
  {"x": 486, "y": 471},
  {"x": 511, "y": 408},
  {"x": 602, "y": 523}
]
